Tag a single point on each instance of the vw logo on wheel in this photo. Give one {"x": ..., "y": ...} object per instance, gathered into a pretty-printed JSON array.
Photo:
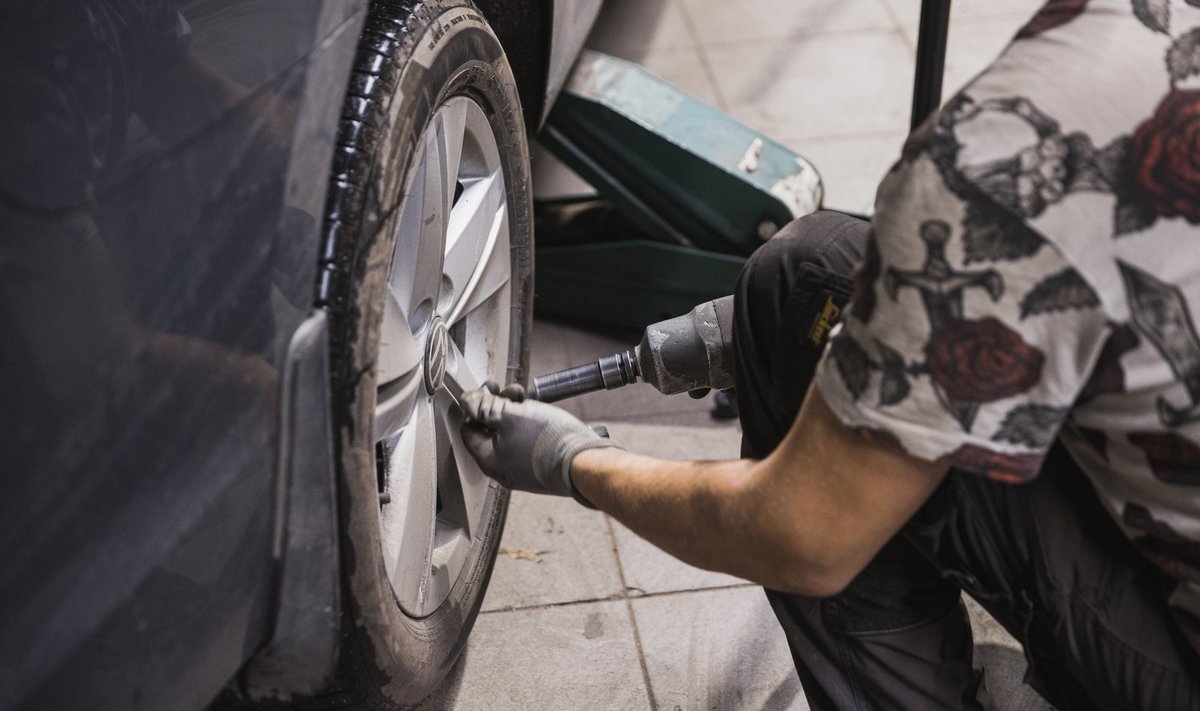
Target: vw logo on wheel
[{"x": 436, "y": 347}]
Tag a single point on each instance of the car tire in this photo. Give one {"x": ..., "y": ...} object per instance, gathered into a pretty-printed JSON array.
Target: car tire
[{"x": 421, "y": 66}]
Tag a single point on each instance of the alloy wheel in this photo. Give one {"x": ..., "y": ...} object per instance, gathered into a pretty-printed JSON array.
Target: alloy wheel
[{"x": 447, "y": 316}]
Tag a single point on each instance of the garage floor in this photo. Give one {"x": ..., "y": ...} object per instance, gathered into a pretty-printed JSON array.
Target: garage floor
[{"x": 581, "y": 614}]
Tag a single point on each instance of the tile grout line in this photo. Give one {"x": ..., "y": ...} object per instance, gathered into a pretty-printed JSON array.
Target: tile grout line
[
  {"x": 909, "y": 44},
  {"x": 898, "y": 26},
  {"x": 637, "y": 636},
  {"x": 970, "y": 21},
  {"x": 702, "y": 52},
  {"x": 873, "y": 133},
  {"x": 799, "y": 37},
  {"x": 616, "y": 598},
  {"x": 652, "y": 418}
]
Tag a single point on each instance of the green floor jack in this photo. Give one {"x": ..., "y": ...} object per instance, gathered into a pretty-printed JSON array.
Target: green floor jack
[{"x": 698, "y": 191}]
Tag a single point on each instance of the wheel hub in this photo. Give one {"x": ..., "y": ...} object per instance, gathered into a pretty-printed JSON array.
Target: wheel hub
[{"x": 437, "y": 346}]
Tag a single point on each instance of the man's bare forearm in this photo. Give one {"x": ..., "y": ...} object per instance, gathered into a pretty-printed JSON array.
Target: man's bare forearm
[
  {"x": 806, "y": 519},
  {"x": 705, "y": 513}
]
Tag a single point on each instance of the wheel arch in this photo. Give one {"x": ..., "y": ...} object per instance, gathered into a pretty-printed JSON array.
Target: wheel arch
[{"x": 524, "y": 29}]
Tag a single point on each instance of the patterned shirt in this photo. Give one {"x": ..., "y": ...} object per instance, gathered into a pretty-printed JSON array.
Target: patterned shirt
[{"x": 1034, "y": 272}]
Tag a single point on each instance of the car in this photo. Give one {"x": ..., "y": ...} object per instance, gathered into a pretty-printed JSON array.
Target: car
[{"x": 249, "y": 250}]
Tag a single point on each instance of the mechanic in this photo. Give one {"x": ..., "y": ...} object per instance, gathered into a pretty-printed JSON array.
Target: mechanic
[{"x": 1009, "y": 407}]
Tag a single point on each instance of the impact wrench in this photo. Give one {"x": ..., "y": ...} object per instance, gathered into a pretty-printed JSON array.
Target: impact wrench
[{"x": 683, "y": 354}]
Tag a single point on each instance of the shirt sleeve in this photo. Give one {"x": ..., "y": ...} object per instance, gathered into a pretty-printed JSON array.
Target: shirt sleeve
[{"x": 969, "y": 335}]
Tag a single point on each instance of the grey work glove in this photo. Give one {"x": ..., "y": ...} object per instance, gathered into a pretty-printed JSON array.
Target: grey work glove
[{"x": 526, "y": 445}]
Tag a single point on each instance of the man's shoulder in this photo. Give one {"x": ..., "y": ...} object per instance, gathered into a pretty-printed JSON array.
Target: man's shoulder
[{"x": 1077, "y": 135}]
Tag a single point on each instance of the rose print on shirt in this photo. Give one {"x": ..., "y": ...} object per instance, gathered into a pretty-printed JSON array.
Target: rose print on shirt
[
  {"x": 1172, "y": 552},
  {"x": 1162, "y": 169},
  {"x": 980, "y": 361},
  {"x": 1172, "y": 458},
  {"x": 1165, "y": 157},
  {"x": 1008, "y": 468},
  {"x": 941, "y": 288}
]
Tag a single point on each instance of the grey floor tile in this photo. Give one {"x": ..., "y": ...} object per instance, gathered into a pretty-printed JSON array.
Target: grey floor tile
[
  {"x": 684, "y": 67},
  {"x": 571, "y": 344},
  {"x": 638, "y": 400},
  {"x": 977, "y": 37},
  {"x": 548, "y": 350},
  {"x": 908, "y": 12},
  {"x": 823, "y": 85},
  {"x": 986, "y": 629},
  {"x": 975, "y": 44},
  {"x": 721, "y": 21},
  {"x": 648, "y": 569},
  {"x": 678, "y": 443},
  {"x": 548, "y": 659},
  {"x": 717, "y": 649},
  {"x": 1004, "y": 662},
  {"x": 552, "y": 179},
  {"x": 626, "y": 28},
  {"x": 852, "y": 166},
  {"x": 682, "y": 418},
  {"x": 553, "y": 551},
  {"x": 558, "y": 345}
]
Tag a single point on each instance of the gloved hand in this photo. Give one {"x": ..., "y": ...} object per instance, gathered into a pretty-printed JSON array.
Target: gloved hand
[{"x": 525, "y": 445}]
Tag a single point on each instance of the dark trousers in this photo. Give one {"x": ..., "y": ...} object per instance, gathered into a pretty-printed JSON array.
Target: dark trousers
[{"x": 1043, "y": 558}]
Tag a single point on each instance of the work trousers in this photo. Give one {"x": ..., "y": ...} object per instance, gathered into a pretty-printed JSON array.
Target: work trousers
[{"x": 1043, "y": 558}]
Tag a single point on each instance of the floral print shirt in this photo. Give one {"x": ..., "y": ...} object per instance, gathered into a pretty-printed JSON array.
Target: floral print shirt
[{"x": 1034, "y": 273}]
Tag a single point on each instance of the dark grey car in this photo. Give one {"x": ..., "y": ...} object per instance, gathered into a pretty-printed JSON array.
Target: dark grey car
[{"x": 247, "y": 249}]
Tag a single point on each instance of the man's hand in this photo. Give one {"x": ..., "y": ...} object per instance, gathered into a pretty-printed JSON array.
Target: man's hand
[{"x": 525, "y": 445}]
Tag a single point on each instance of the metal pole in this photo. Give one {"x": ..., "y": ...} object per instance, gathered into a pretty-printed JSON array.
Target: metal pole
[{"x": 931, "y": 59}]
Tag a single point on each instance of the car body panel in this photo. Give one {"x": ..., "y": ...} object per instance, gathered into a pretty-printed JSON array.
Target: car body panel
[
  {"x": 162, "y": 180},
  {"x": 163, "y": 173},
  {"x": 573, "y": 20}
]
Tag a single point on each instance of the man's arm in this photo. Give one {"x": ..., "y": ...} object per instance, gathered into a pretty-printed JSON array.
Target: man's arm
[{"x": 806, "y": 519}]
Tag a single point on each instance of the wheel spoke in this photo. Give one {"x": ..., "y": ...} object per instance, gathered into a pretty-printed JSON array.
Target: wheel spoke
[
  {"x": 470, "y": 483},
  {"x": 472, "y": 232},
  {"x": 417, "y": 262},
  {"x": 491, "y": 270},
  {"x": 408, "y": 519},
  {"x": 450, "y": 128},
  {"x": 459, "y": 370},
  {"x": 439, "y": 185},
  {"x": 465, "y": 480},
  {"x": 395, "y": 403},
  {"x": 399, "y": 353}
]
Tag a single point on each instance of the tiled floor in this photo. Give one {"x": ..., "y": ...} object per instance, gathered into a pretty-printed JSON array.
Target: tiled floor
[{"x": 580, "y": 613}]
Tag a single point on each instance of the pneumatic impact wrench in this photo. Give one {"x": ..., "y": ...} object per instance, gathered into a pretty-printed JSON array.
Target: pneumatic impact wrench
[{"x": 682, "y": 354}]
